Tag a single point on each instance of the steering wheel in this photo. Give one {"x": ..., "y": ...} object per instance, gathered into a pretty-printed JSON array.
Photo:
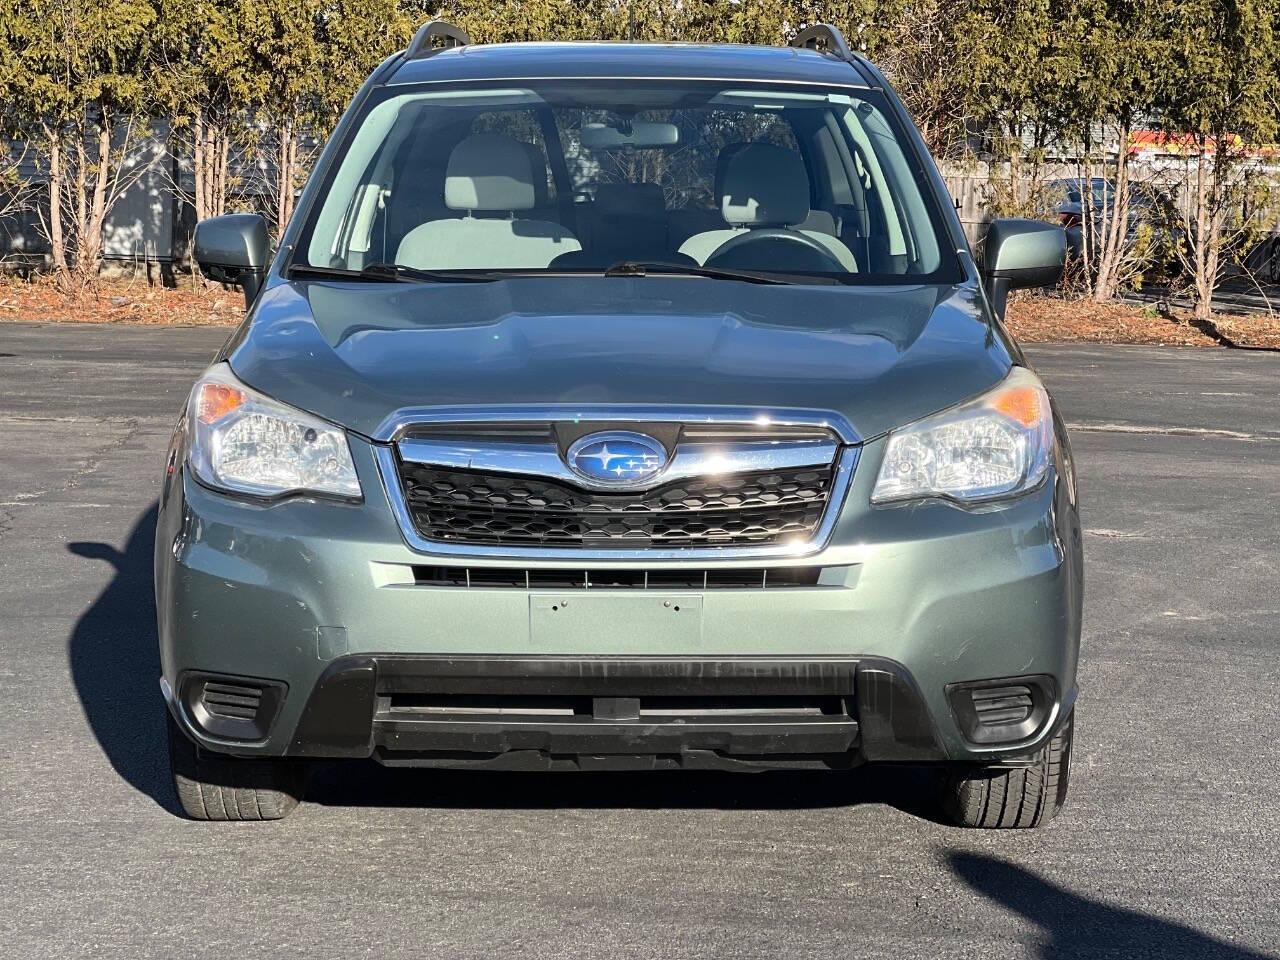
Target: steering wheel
[{"x": 774, "y": 248}]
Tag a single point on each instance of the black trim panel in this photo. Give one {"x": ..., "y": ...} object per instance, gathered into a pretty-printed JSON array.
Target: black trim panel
[{"x": 351, "y": 712}]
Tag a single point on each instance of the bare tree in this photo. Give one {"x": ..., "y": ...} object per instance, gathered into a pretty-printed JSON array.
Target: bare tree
[{"x": 1225, "y": 189}]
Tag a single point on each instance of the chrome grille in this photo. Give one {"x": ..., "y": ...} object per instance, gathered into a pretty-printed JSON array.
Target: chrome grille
[{"x": 506, "y": 489}]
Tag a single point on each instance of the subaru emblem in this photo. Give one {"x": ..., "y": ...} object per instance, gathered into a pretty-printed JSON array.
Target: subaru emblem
[{"x": 617, "y": 458}]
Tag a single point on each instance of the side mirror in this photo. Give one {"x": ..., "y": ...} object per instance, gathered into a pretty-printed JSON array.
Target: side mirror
[
  {"x": 1021, "y": 253},
  {"x": 234, "y": 249}
]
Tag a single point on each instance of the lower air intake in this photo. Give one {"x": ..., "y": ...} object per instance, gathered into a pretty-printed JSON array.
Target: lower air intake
[
  {"x": 230, "y": 707},
  {"x": 1001, "y": 706},
  {"x": 234, "y": 701},
  {"x": 991, "y": 712}
]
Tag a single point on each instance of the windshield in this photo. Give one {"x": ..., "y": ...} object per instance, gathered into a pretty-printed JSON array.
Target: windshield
[{"x": 569, "y": 176}]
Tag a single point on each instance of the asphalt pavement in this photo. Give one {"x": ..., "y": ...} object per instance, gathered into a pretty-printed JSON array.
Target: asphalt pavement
[{"x": 1167, "y": 848}]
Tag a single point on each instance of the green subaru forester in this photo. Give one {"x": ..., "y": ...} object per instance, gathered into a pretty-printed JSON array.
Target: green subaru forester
[{"x": 622, "y": 406}]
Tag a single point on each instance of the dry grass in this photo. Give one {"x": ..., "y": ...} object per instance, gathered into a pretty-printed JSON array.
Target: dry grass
[
  {"x": 120, "y": 301},
  {"x": 1034, "y": 318},
  {"x": 1251, "y": 330},
  {"x": 1038, "y": 318}
]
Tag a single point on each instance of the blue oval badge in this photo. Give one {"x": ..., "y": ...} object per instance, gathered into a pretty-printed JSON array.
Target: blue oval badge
[{"x": 617, "y": 458}]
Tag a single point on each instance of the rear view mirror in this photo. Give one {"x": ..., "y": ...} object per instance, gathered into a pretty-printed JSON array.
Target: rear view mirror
[
  {"x": 1021, "y": 253},
  {"x": 642, "y": 135},
  {"x": 234, "y": 249}
]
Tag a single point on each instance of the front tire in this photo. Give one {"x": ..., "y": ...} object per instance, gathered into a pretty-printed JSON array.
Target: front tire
[
  {"x": 213, "y": 787},
  {"x": 1013, "y": 798}
]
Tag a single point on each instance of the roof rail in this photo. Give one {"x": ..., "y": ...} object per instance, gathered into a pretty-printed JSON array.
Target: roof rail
[
  {"x": 423, "y": 44},
  {"x": 824, "y": 38}
]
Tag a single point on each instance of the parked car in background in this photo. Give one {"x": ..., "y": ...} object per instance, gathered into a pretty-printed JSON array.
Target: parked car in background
[
  {"x": 622, "y": 406},
  {"x": 1152, "y": 221},
  {"x": 1262, "y": 261}
]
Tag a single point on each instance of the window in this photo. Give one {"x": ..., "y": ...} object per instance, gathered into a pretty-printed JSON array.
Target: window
[{"x": 563, "y": 176}]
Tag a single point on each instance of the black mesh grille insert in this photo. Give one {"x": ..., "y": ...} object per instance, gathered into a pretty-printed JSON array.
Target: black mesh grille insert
[{"x": 464, "y": 506}]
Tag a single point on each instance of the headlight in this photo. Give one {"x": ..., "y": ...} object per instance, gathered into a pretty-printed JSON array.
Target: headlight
[
  {"x": 244, "y": 442},
  {"x": 995, "y": 446}
]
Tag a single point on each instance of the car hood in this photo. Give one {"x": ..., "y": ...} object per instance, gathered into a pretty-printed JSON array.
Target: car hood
[{"x": 355, "y": 353}]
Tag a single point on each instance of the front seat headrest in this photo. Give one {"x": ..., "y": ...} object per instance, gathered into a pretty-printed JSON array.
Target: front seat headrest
[
  {"x": 727, "y": 153},
  {"x": 538, "y": 167},
  {"x": 490, "y": 172},
  {"x": 763, "y": 186}
]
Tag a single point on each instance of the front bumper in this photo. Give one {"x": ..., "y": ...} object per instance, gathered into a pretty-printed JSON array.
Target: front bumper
[{"x": 319, "y": 600}]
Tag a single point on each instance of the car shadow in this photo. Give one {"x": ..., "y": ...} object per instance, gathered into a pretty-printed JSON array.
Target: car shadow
[
  {"x": 1078, "y": 928},
  {"x": 366, "y": 783},
  {"x": 115, "y": 664}
]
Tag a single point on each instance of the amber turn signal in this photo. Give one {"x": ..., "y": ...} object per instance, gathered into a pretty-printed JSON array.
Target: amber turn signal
[
  {"x": 1023, "y": 404},
  {"x": 216, "y": 400}
]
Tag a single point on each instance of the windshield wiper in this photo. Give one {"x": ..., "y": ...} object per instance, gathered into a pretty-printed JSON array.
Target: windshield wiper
[
  {"x": 382, "y": 272},
  {"x": 394, "y": 272},
  {"x": 641, "y": 268}
]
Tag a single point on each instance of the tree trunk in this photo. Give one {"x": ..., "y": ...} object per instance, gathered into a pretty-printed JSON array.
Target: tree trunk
[
  {"x": 1015, "y": 172},
  {"x": 1219, "y": 203},
  {"x": 212, "y": 148},
  {"x": 200, "y": 166},
  {"x": 221, "y": 152},
  {"x": 1035, "y": 186},
  {"x": 1084, "y": 183},
  {"x": 89, "y": 250},
  {"x": 287, "y": 159},
  {"x": 1115, "y": 226},
  {"x": 1204, "y": 281},
  {"x": 57, "y": 243},
  {"x": 79, "y": 186}
]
